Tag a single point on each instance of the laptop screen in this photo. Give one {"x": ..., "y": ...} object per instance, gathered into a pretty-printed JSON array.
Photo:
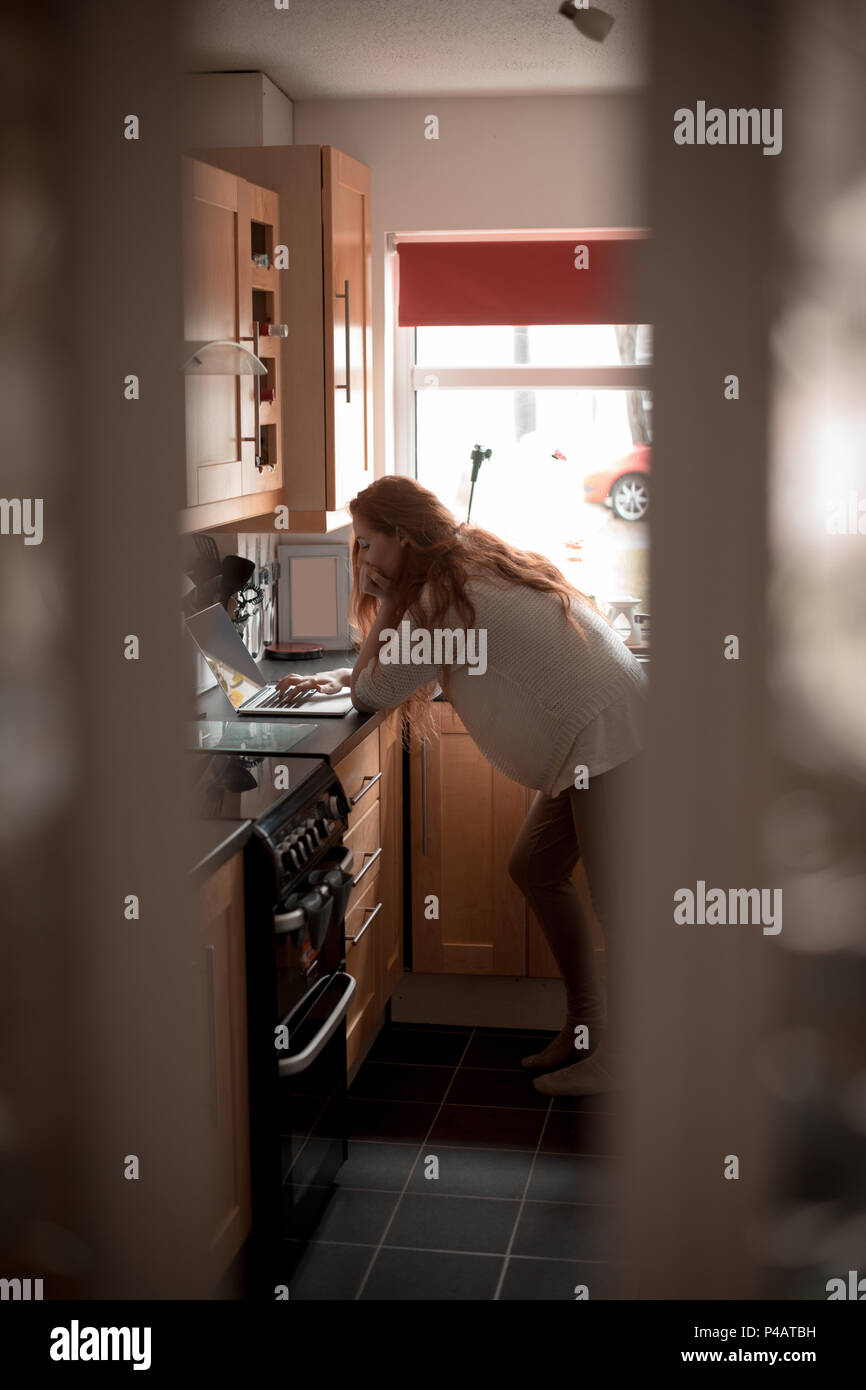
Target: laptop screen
[{"x": 223, "y": 649}]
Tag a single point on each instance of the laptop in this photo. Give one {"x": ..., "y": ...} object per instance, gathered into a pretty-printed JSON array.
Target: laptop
[{"x": 239, "y": 677}]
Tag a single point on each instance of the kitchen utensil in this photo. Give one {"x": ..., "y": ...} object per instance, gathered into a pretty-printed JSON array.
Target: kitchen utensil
[
  {"x": 294, "y": 651},
  {"x": 236, "y": 573}
]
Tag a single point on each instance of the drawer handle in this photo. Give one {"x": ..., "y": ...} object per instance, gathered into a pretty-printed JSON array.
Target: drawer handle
[
  {"x": 371, "y": 781},
  {"x": 372, "y": 911},
  {"x": 372, "y": 855}
]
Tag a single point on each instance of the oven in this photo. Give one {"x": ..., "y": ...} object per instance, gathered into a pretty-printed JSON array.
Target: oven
[{"x": 298, "y": 878}]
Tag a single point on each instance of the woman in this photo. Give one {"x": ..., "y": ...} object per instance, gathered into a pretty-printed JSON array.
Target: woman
[{"x": 556, "y": 705}]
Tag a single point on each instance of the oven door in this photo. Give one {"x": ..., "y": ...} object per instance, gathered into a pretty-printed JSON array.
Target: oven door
[
  {"x": 314, "y": 992},
  {"x": 314, "y": 1129}
]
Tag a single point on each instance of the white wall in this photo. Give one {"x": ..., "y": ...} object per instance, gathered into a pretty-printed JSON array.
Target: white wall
[{"x": 499, "y": 163}]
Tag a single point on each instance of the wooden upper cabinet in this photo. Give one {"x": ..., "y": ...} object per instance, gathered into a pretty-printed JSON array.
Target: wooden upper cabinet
[
  {"x": 324, "y": 220},
  {"x": 222, "y": 295},
  {"x": 348, "y": 327}
]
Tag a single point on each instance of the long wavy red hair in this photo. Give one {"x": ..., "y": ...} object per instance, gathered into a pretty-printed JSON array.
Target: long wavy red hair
[{"x": 441, "y": 554}]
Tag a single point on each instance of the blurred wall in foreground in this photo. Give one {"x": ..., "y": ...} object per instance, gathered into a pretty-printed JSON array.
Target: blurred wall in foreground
[
  {"x": 744, "y": 1131},
  {"x": 101, "y": 1050},
  {"x": 815, "y": 831}
]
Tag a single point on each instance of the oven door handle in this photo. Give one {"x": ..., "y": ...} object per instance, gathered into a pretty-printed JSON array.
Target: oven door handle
[
  {"x": 290, "y": 1066},
  {"x": 285, "y": 922}
]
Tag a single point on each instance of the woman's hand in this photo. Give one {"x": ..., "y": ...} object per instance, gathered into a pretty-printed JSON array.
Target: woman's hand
[
  {"x": 372, "y": 581},
  {"x": 328, "y": 682}
]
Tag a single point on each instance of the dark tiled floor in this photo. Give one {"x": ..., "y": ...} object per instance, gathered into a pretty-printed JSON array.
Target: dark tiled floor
[{"x": 463, "y": 1181}]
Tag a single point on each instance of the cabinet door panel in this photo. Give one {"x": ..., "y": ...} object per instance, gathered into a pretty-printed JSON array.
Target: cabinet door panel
[
  {"x": 472, "y": 816},
  {"x": 391, "y": 875},
  {"x": 214, "y": 413},
  {"x": 348, "y": 326},
  {"x": 224, "y": 970}
]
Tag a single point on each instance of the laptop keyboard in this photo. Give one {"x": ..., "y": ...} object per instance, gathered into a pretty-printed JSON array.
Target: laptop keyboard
[{"x": 279, "y": 699}]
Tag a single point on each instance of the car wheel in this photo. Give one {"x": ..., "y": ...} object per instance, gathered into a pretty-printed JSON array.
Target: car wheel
[{"x": 629, "y": 497}]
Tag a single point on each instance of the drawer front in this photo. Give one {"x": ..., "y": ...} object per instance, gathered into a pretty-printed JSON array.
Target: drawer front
[
  {"x": 362, "y": 963},
  {"x": 364, "y": 839},
  {"x": 360, "y": 777}
]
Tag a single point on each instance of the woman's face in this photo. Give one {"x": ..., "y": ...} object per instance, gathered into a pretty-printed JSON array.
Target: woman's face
[{"x": 383, "y": 552}]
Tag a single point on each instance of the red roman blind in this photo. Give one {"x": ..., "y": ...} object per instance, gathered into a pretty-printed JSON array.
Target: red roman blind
[{"x": 517, "y": 282}]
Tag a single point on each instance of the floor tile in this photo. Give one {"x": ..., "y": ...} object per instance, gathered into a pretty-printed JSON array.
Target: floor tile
[
  {"x": 424, "y": 1046},
  {"x": 422, "y": 1274},
  {"x": 326, "y": 1271},
  {"x": 389, "y": 1119},
  {"x": 474, "y": 1172},
  {"x": 453, "y": 1223},
  {"x": 556, "y": 1230},
  {"x": 359, "y": 1217},
  {"x": 571, "y": 1178},
  {"x": 492, "y": 1049},
  {"x": 557, "y": 1280},
  {"x": 485, "y": 1086},
  {"x": 377, "y": 1165},
  {"x": 399, "y": 1081},
  {"x": 577, "y": 1132},
  {"x": 603, "y": 1102},
  {"x": 312, "y": 1160},
  {"x": 487, "y": 1127}
]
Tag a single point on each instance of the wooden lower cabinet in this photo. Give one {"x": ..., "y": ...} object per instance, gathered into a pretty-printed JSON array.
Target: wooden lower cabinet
[
  {"x": 468, "y": 915},
  {"x": 372, "y": 778},
  {"x": 223, "y": 962}
]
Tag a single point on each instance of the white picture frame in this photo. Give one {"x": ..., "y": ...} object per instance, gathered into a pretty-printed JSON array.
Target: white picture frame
[{"x": 314, "y": 607}]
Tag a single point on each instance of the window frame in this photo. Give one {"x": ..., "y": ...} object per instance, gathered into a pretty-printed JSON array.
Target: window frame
[{"x": 409, "y": 379}]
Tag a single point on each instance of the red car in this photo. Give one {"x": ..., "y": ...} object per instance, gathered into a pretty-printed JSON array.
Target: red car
[{"x": 624, "y": 486}]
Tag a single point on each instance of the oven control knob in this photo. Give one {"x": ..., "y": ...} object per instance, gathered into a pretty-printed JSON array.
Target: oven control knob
[
  {"x": 334, "y": 806},
  {"x": 290, "y": 860},
  {"x": 323, "y": 830},
  {"x": 311, "y": 833}
]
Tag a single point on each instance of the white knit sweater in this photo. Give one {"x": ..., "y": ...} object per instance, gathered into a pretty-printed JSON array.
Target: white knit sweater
[{"x": 546, "y": 702}]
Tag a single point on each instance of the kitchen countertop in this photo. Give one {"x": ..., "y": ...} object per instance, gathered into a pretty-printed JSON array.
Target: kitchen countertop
[
  {"x": 210, "y": 843},
  {"x": 331, "y": 739}
]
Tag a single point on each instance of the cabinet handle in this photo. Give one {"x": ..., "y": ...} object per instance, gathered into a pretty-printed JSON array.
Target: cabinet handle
[
  {"x": 348, "y": 386},
  {"x": 424, "y": 838},
  {"x": 373, "y": 856},
  {"x": 371, "y": 781},
  {"x": 372, "y": 911},
  {"x": 212, "y": 1046}
]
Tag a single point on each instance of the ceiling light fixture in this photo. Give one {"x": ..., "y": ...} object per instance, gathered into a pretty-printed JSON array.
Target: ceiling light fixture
[{"x": 592, "y": 23}]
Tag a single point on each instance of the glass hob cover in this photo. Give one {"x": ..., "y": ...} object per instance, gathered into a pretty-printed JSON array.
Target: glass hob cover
[
  {"x": 254, "y": 736},
  {"x": 237, "y": 787}
]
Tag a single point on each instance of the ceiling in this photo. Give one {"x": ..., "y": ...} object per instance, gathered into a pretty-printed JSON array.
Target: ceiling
[{"x": 402, "y": 48}]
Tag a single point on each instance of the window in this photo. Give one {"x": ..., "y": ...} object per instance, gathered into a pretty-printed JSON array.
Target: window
[{"x": 567, "y": 412}]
